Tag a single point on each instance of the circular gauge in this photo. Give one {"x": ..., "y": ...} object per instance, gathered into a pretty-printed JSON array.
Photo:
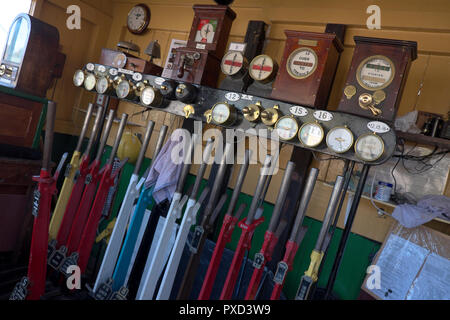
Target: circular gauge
[
  {"x": 369, "y": 147},
  {"x": 261, "y": 68},
  {"x": 302, "y": 62},
  {"x": 286, "y": 128},
  {"x": 113, "y": 72},
  {"x": 89, "y": 82},
  {"x": 311, "y": 134},
  {"x": 223, "y": 113},
  {"x": 120, "y": 60},
  {"x": 123, "y": 89},
  {"x": 90, "y": 67},
  {"x": 78, "y": 78},
  {"x": 102, "y": 85},
  {"x": 101, "y": 70},
  {"x": 375, "y": 72},
  {"x": 232, "y": 62},
  {"x": 137, "y": 76},
  {"x": 150, "y": 96},
  {"x": 339, "y": 139}
]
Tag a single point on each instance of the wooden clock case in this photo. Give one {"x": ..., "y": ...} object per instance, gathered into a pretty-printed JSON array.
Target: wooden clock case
[
  {"x": 401, "y": 53},
  {"x": 313, "y": 90}
]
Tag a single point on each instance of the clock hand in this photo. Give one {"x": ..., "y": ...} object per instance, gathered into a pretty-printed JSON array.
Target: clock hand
[
  {"x": 232, "y": 62},
  {"x": 262, "y": 65}
]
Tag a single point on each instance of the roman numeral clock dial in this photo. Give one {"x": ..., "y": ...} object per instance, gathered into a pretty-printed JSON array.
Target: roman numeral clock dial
[{"x": 138, "y": 18}]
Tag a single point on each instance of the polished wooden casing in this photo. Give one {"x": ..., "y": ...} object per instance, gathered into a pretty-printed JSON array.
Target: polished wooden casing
[
  {"x": 401, "y": 53},
  {"x": 224, "y": 15},
  {"x": 19, "y": 118},
  {"x": 204, "y": 71},
  {"x": 41, "y": 62},
  {"x": 314, "y": 90}
]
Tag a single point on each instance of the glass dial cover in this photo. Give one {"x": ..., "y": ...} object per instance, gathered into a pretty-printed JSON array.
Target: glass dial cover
[
  {"x": 138, "y": 18},
  {"x": 369, "y": 147},
  {"x": 339, "y": 139},
  {"x": 147, "y": 96},
  {"x": 232, "y": 62},
  {"x": 375, "y": 72},
  {"x": 102, "y": 85},
  {"x": 261, "y": 67},
  {"x": 286, "y": 127},
  {"x": 206, "y": 30},
  {"x": 89, "y": 82},
  {"x": 302, "y": 62},
  {"x": 311, "y": 134},
  {"x": 78, "y": 78},
  {"x": 123, "y": 89},
  {"x": 220, "y": 113}
]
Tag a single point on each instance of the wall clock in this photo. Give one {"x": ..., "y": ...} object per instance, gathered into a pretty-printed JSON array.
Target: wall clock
[{"x": 138, "y": 18}]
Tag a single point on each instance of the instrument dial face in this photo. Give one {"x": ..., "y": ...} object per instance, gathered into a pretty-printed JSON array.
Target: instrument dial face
[
  {"x": 138, "y": 18},
  {"x": 89, "y": 82},
  {"x": 120, "y": 60},
  {"x": 286, "y": 128},
  {"x": 147, "y": 96},
  {"x": 339, "y": 139},
  {"x": 123, "y": 89},
  {"x": 311, "y": 134},
  {"x": 78, "y": 78},
  {"x": 261, "y": 67},
  {"x": 375, "y": 72},
  {"x": 302, "y": 62},
  {"x": 102, "y": 85},
  {"x": 206, "y": 30},
  {"x": 221, "y": 112},
  {"x": 232, "y": 62},
  {"x": 369, "y": 147}
]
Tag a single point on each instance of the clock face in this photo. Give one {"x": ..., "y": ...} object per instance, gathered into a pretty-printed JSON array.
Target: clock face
[
  {"x": 302, "y": 62},
  {"x": 375, "y": 72},
  {"x": 138, "y": 18},
  {"x": 206, "y": 30},
  {"x": 261, "y": 67},
  {"x": 232, "y": 62}
]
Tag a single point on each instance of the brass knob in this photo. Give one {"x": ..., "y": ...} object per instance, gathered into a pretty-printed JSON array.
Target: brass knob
[
  {"x": 252, "y": 112},
  {"x": 179, "y": 90},
  {"x": 365, "y": 100}
]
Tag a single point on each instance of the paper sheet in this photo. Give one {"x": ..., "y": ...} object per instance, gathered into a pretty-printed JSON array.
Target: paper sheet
[
  {"x": 433, "y": 281},
  {"x": 399, "y": 263}
]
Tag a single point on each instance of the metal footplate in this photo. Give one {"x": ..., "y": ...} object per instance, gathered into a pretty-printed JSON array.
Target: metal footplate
[
  {"x": 259, "y": 260},
  {"x": 71, "y": 260},
  {"x": 194, "y": 243},
  {"x": 281, "y": 272},
  {"x": 20, "y": 290}
]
